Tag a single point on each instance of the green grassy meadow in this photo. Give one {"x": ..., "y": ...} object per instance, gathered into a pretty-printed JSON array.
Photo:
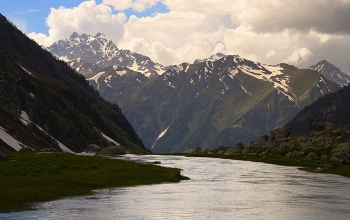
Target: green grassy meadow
[{"x": 29, "y": 177}]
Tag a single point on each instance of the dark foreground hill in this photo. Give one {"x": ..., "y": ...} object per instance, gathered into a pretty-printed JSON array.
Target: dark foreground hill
[
  {"x": 46, "y": 104},
  {"x": 334, "y": 107}
]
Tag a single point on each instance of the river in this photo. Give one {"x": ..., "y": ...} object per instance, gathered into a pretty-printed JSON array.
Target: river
[{"x": 218, "y": 189}]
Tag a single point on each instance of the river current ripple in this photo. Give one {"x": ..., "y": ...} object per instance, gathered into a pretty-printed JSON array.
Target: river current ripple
[{"x": 218, "y": 189}]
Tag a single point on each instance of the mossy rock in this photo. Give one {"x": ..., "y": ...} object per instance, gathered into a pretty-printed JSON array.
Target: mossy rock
[
  {"x": 345, "y": 147},
  {"x": 112, "y": 151}
]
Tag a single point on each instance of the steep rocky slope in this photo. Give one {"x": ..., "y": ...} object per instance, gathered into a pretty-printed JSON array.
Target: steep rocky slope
[{"x": 46, "y": 104}]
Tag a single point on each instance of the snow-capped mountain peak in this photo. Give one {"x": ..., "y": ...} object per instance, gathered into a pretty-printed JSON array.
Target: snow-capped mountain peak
[
  {"x": 331, "y": 72},
  {"x": 100, "y": 51},
  {"x": 212, "y": 58}
]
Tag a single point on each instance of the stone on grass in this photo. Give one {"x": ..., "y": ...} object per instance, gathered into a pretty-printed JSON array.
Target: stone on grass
[
  {"x": 92, "y": 148},
  {"x": 112, "y": 151}
]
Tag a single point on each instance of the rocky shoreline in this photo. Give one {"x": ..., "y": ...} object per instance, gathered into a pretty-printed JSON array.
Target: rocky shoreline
[{"x": 326, "y": 141}]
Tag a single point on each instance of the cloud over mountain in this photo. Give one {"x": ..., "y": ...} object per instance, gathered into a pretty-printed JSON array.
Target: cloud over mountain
[{"x": 299, "y": 32}]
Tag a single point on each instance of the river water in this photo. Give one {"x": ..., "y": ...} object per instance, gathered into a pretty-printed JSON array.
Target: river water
[{"x": 218, "y": 189}]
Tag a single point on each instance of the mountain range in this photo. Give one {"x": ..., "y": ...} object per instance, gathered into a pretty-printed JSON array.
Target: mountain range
[
  {"x": 221, "y": 100},
  {"x": 44, "y": 103}
]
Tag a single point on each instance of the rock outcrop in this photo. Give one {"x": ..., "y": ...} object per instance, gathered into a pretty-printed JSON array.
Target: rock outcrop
[
  {"x": 112, "y": 151},
  {"x": 280, "y": 133},
  {"x": 92, "y": 148},
  {"x": 326, "y": 141}
]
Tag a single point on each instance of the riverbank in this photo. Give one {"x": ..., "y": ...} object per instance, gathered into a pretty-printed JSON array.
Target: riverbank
[
  {"x": 30, "y": 177},
  {"x": 321, "y": 165}
]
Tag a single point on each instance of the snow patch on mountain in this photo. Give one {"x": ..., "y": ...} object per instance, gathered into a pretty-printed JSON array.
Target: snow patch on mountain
[
  {"x": 110, "y": 139},
  {"x": 245, "y": 90},
  {"x": 9, "y": 140},
  {"x": 122, "y": 72},
  {"x": 163, "y": 133},
  {"x": 28, "y": 72},
  {"x": 108, "y": 81},
  {"x": 232, "y": 72},
  {"x": 24, "y": 118},
  {"x": 265, "y": 72},
  {"x": 96, "y": 77}
]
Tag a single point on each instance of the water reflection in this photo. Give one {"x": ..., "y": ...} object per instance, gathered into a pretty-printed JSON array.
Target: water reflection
[{"x": 218, "y": 189}]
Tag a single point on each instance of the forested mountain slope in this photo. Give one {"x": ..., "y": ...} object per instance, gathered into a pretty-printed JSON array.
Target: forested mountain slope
[{"x": 44, "y": 103}]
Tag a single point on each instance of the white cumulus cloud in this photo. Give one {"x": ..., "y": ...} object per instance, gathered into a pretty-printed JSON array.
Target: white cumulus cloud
[
  {"x": 300, "y": 32},
  {"x": 88, "y": 17}
]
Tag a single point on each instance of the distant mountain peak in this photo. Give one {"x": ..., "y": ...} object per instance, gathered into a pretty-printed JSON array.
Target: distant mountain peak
[
  {"x": 99, "y": 35},
  {"x": 74, "y": 35},
  {"x": 212, "y": 58},
  {"x": 331, "y": 72}
]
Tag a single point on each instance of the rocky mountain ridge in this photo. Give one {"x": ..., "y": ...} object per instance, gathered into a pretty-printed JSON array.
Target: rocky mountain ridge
[
  {"x": 218, "y": 100},
  {"x": 207, "y": 103}
]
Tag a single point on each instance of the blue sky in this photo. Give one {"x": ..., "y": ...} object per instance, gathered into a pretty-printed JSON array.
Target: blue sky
[
  {"x": 296, "y": 32},
  {"x": 30, "y": 15}
]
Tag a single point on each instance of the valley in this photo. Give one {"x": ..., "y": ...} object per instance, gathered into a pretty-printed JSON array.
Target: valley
[
  {"x": 221, "y": 100},
  {"x": 159, "y": 109}
]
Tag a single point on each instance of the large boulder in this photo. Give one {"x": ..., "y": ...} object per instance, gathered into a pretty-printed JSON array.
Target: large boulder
[
  {"x": 112, "y": 151},
  {"x": 220, "y": 150},
  {"x": 295, "y": 154},
  {"x": 312, "y": 156},
  {"x": 237, "y": 149},
  {"x": 320, "y": 125},
  {"x": 280, "y": 133},
  {"x": 338, "y": 157},
  {"x": 92, "y": 148},
  {"x": 193, "y": 150},
  {"x": 26, "y": 149}
]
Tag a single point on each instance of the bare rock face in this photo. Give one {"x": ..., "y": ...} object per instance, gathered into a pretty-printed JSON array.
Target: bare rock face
[
  {"x": 112, "y": 151},
  {"x": 320, "y": 125},
  {"x": 280, "y": 133}
]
